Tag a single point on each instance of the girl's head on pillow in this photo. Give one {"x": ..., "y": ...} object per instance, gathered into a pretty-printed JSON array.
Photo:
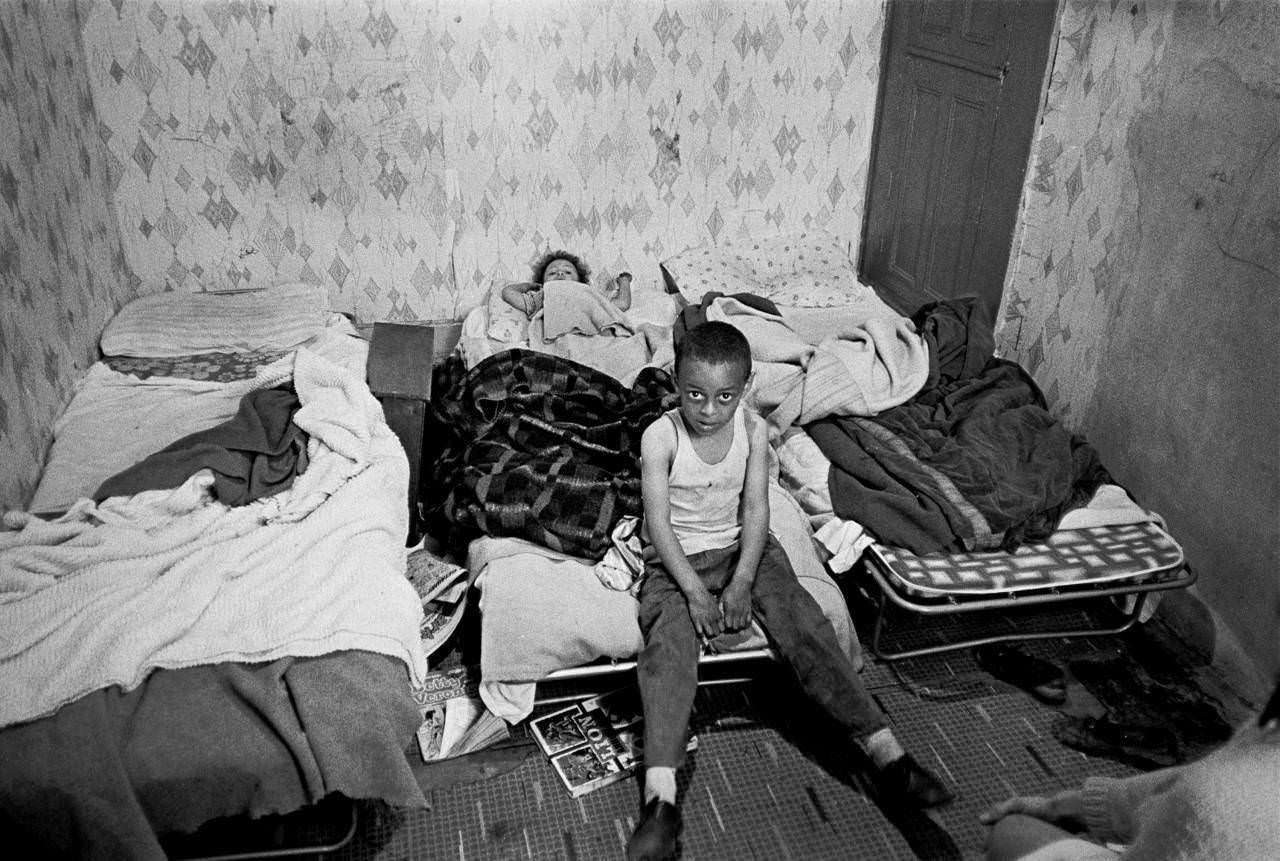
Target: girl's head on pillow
[{"x": 555, "y": 265}]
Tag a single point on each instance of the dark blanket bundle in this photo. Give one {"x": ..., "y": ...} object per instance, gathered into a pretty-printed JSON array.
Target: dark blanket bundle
[
  {"x": 539, "y": 447},
  {"x": 254, "y": 454},
  {"x": 974, "y": 461}
]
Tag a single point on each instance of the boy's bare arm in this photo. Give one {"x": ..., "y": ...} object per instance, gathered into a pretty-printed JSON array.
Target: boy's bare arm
[
  {"x": 657, "y": 449},
  {"x": 736, "y": 598}
]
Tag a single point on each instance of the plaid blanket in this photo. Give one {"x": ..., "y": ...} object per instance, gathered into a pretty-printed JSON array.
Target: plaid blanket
[{"x": 538, "y": 447}]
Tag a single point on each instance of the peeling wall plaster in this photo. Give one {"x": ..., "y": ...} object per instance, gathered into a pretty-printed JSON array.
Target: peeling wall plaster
[{"x": 1154, "y": 326}]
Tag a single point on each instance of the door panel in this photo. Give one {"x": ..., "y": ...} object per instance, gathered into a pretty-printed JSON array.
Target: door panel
[{"x": 958, "y": 106}]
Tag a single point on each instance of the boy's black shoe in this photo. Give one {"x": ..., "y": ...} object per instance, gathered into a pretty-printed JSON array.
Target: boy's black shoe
[
  {"x": 905, "y": 781},
  {"x": 655, "y": 837}
]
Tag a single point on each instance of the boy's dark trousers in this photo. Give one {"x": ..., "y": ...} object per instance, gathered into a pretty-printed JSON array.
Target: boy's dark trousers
[{"x": 668, "y": 664}]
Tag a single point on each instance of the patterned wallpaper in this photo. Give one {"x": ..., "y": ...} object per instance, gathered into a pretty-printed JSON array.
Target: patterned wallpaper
[
  {"x": 62, "y": 268},
  {"x": 405, "y": 153},
  {"x": 1078, "y": 233}
]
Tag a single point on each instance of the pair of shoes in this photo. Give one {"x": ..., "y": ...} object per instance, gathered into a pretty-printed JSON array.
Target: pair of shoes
[
  {"x": 1041, "y": 679},
  {"x": 1144, "y": 745},
  {"x": 905, "y": 781},
  {"x": 655, "y": 836}
]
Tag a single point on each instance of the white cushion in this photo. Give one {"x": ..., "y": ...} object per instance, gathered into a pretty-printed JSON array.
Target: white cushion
[
  {"x": 800, "y": 270},
  {"x": 181, "y": 323},
  {"x": 507, "y": 323}
]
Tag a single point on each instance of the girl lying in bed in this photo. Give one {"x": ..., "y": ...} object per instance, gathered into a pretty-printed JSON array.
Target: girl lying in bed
[{"x": 526, "y": 296}]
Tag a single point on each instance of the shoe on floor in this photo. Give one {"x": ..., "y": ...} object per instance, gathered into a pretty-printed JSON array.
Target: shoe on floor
[
  {"x": 1010, "y": 664},
  {"x": 905, "y": 781},
  {"x": 1145, "y": 746},
  {"x": 655, "y": 836}
]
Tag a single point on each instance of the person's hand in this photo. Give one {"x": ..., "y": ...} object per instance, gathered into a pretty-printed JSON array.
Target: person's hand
[
  {"x": 1066, "y": 809},
  {"x": 735, "y": 603},
  {"x": 705, "y": 613}
]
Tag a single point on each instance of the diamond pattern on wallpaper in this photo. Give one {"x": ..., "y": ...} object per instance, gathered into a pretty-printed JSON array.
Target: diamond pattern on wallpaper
[
  {"x": 380, "y": 30},
  {"x": 595, "y": 160},
  {"x": 143, "y": 72},
  {"x": 143, "y": 156},
  {"x": 171, "y": 227},
  {"x": 270, "y": 239},
  {"x": 48, "y": 335},
  {"x": 197, "y": 57}
]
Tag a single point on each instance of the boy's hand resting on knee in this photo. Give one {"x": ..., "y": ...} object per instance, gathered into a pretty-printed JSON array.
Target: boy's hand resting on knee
[
  {"x": 705, "y": 612},
  {"x": 1066, "y": 809},
  {"x": 735, "y": 603}
]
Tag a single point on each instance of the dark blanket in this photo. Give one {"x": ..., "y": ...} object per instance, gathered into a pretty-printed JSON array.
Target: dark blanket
[
  {"x": 538, "y": 447},
  {"x": 693, "y": 315},
  {"x": 254, "y": 454},
  {"x": 101, "y": 775},
  {"x": 974, "y": 461}
]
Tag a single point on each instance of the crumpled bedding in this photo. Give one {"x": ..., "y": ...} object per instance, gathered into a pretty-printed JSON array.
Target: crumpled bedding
[
  {"x": 616, "y": 343},
  {"x": 569, "y": 307},
  {"x": 110, "y": 591},
  {"x": 860, "y": 368},
  {"x": 255, "y": 453},
  {"x": 974, "y": 461},
  {"x": 114, "y": 419},
  {"x": 579, "y": 323}
]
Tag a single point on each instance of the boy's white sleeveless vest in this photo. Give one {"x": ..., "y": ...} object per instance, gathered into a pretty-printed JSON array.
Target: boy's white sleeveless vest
[{"x": 705, "y": 497}]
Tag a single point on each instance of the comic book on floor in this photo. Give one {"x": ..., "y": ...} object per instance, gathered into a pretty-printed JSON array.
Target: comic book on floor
[
  {"x": 595, "y": 742},
  {"x": 454, "y": 718},
  {"x": 442, "y": 586}
]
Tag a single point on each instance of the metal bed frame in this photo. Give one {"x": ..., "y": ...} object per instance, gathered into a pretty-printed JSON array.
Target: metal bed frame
[{"x": 1163, "y": 569}]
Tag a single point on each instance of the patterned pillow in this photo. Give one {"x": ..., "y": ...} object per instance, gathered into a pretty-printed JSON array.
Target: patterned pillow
[
  {"x": 804, "y": 270},
  {"x": 506, "y": 323},
  {"x": 214, "y": 367}
]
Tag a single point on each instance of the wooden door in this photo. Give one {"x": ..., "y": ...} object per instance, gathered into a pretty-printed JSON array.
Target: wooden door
[{"x": 958, "y": 105}]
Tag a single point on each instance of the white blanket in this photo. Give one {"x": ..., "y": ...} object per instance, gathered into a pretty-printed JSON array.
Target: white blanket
[
  {"x": 860, "y": 370},
  {"x": 579, "y": 323},
  {"x": 171, "y": 578},
  {"x": 141, "y": 417}
]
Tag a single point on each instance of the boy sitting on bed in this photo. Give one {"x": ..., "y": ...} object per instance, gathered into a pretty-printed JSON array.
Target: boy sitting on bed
[{"x": 704, "y": 477}]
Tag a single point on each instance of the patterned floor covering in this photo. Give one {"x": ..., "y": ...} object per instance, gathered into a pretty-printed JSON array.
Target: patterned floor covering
[{"x": 765, "y": 784}]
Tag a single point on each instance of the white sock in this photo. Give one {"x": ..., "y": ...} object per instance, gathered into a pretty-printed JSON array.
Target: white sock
[
  {"x": 660, "y": 782},
  {"x": 882, "y": 747}
]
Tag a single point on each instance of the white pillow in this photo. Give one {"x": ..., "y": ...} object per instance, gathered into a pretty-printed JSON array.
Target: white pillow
[
  {"x": 180, "y": 323},
  {"x": 799, "y": 270},
  {"x": 507, "y": 323}
]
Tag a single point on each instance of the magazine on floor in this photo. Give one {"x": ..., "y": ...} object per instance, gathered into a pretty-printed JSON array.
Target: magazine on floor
[
  {"x": 595, "y": 742},
  {"x": 454, "y": 718}
]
